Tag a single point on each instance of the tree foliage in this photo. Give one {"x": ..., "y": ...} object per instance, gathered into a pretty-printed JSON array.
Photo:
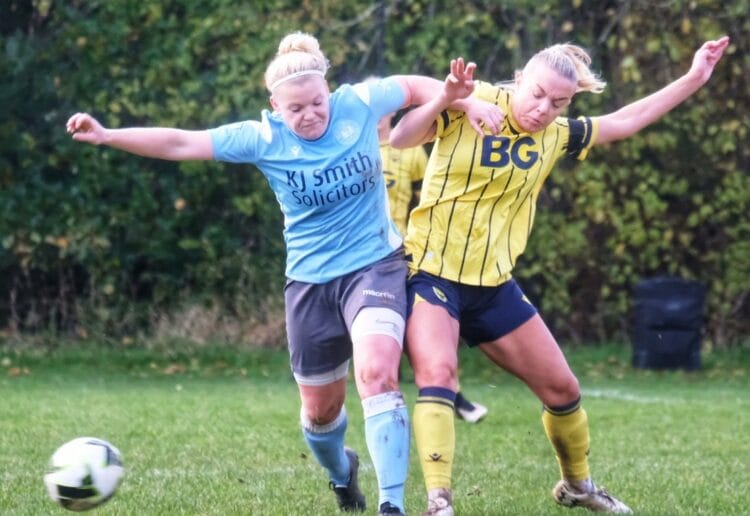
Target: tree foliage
[{"x": 93, "y": 237}]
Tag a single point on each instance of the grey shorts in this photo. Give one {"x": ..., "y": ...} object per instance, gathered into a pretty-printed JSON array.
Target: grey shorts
[{"x": 319, "y": 316}]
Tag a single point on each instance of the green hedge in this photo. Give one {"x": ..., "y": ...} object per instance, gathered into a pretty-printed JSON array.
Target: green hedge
[{"x": 92, "y": 238}]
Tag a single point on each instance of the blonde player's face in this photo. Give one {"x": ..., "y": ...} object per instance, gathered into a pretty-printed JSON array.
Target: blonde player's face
[
  {"x": 303, "y": 105},
  {"x": 541, "y": 95}
]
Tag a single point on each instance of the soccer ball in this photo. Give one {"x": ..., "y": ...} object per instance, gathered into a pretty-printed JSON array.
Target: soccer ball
[{"x": 84, "y": 473}]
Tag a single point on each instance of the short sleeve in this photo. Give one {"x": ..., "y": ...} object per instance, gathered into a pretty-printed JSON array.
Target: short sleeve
[
  {"x": 240, "y": 142},
  {"x": 582, "y": 136},
  {"x": 383, "y": 96}
]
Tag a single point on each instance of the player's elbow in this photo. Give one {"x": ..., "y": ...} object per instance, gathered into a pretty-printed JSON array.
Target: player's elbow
[{"x": 398, "y": 140}]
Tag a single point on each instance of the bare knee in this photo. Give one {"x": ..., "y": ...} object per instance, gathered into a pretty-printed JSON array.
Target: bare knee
[
  {"x": 322, "y": 414},
  {"x": 376, "y": 378},
  {"x": 560, "y": 391},
  {"x": 441, "y": 374},
  {"x": 322, "y": 405}
]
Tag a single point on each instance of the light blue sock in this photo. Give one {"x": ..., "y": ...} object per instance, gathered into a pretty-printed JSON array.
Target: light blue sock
[
  {"x": 327, "y": 444},
  {"x": 387, "y": 435}
]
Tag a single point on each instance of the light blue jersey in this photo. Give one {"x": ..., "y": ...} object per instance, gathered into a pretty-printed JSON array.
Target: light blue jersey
[{"x": 331, "y": 190}]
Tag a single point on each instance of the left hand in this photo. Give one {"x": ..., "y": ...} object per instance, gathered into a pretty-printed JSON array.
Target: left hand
[{"x": 484, "y": 117}]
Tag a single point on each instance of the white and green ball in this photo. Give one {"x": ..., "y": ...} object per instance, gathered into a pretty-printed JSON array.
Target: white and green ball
[{"x": 84, "y": 473}]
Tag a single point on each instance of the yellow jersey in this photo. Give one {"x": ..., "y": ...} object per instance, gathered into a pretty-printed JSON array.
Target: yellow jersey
[
  {"x": 403, "y": 170},
  {"x": 479, "y": 194}
]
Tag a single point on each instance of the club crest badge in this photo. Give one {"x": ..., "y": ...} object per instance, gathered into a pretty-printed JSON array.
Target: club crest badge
[{"x": 346, "y": 132}]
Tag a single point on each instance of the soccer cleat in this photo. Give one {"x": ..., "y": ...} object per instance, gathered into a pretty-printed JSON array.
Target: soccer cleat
[
  {"x": 468, "y": 411},
  {"x": 439, "y": 503},
  {"x": 598, "y": 499},
  {"x": 349, "y": 497},
  {"x": 389, "y": 508}
]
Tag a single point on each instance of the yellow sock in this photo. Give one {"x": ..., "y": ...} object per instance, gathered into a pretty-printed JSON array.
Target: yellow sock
[
  {"x": 435, "y": 436},
  {"x": 568, "y": 431}
]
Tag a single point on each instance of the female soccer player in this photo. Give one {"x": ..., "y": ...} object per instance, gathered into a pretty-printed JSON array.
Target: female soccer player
[
  {"x": 473, "y": 220},
  {"x": 404, "y": 170},
  {"x": 345, "y": 295}
]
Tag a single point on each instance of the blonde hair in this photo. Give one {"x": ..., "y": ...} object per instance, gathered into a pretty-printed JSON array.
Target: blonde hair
[
  {"x": 572, "y": 62},
  {"x": 299, "y": 54}
]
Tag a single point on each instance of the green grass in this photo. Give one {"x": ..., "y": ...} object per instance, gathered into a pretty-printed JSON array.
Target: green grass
[{"x": 216, "y": 432}]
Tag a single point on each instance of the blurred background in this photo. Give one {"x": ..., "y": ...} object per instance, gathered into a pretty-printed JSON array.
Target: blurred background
[{"x": 99, "y": 244}]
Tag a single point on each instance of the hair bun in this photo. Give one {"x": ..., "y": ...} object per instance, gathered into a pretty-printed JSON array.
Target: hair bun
[{"x": 299, "y": 42}]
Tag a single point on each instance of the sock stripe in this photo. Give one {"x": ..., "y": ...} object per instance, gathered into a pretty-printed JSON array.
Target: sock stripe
[
  {"x": 438, "y": 401},
  {"x": 311, "y": 427},
  {"x": 438, "y": 392},
  {"x": 564, "y": 410},
  {"x": 385, "y": 402}
]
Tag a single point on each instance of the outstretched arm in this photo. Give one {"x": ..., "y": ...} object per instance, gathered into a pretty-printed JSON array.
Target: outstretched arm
[
  {"x": 418, "y": 126},
  {"x": 637, "y": 115},
  {"x": 152, "y": 142}
]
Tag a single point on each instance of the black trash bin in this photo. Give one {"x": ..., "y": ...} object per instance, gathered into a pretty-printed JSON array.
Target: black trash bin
[{"x": 668, "y": 323}]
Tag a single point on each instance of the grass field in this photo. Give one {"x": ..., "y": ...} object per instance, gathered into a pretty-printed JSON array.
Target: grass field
[{"x": 217, "y": 433}]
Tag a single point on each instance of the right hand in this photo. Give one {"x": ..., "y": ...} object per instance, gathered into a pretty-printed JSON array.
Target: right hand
[
  {"x": 85, "y": 128},
  {"x": 459, "y": 83}
]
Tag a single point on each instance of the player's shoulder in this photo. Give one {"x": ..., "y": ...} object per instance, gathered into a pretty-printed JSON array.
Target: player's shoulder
[
  {"x": 387, "y": 90},
  {"x": 576, "y": 124},
  {"x": 245, "y": 130},
  {"x": 489, "y": 92},
  {"x": 346, "y": 91}
]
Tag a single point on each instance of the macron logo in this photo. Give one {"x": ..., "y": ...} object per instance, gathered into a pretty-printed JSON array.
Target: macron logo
[{"x": 375, "y": 293}]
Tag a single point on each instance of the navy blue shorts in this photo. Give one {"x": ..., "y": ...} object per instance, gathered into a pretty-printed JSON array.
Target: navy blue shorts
[{"x": 484, "y": 314}]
